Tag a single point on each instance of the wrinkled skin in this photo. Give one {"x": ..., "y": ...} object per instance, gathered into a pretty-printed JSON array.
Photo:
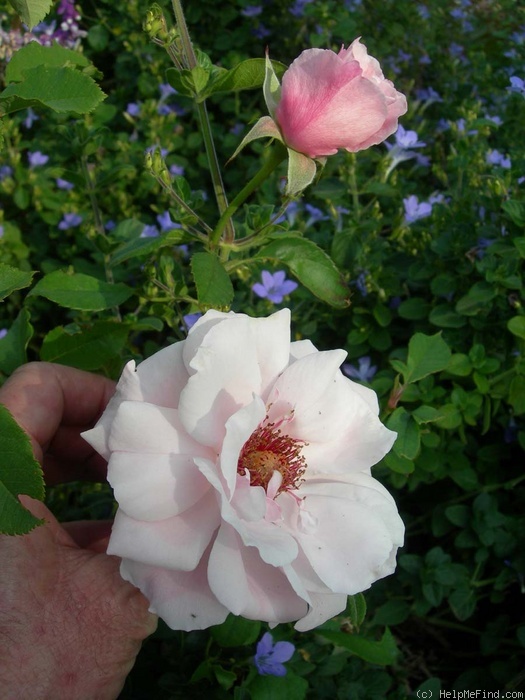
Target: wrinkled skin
[{"x": 70, "y": 627}]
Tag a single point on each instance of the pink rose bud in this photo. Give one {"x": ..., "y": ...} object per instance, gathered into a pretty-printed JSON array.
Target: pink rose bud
[{"x": 331, "y": 101}]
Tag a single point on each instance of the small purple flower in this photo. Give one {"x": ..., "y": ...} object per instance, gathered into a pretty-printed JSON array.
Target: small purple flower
[
  {"x": 363, "y": 373},
  {"x": 133, "y": 109},
  {"x": 166, "y": 90},
  {"x": 360, "y": 283},
  {"x": 498, "y": 121},
  {"x": 36, "y": 158},
  {"x": 269, "y": 657},
  {"x": 149, "y": 232},
  {"x": 428, "y": 95},
  {"x": 70, "y": 220},
  {"x": 297, "y": 8},
  {"x": 64, "y": 184},
  {"x": 274, "y": 287},
  {"x": 110, "y": 225},
  {"x": 165, "y": 222},
  {"x": 461, "y": 126},
  {"x": 314, "y": 215},
  {"x": 290, "y": 213},
  {"x": 496, "y": 158},
  {"x": 30, "y": 119},
  {"x": 176, "y": 170},
  {"x": 5, "y": 171},
  {"x": 261, "y": 32},
  {"x": 191, "y": 319},
  {"x": 251, "y": 11},
  {"x": 405, "y": 138},
  {"x": 163, "y": 151},
  {"x": 3, "y": 333},
  {"x": 517, "y": 84},
  {"x": 415, "y": 210},
  {"x": 481, "y": 247},
  {"x": 1, "y": 231}
]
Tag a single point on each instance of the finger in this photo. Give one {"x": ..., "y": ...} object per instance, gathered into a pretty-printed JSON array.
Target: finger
[
  {"x": 90, "y": 534},
  {"x": 43, "y": 396},
  {"x": 69, "y": 457}
]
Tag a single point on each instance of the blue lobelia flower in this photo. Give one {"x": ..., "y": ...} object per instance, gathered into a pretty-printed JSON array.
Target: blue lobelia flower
[
  {"x": 274, "y": 287},
  {"x": 269, "y": 657}
]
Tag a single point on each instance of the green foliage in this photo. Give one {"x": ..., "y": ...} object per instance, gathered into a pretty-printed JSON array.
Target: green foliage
[
  {"x": 20, "y": 473},
  {"x": 31, "y": 11},
  {"x": 436, "y": 303}
]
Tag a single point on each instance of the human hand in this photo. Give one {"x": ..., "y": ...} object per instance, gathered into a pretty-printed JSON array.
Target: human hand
[{"x": 70, "y": 626}]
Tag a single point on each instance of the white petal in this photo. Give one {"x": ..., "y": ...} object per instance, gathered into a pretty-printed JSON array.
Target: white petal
[
  {"x": 128, "y": 389},
  {"x": 357, "y": 535},
  {"x": 239, "y": 427},
  {"x": 301, "y": 348},
  {"x": 145, "y": 428},
  {"x": 302, "y": 383},
  {"x": 236, "y": 358},
  {"x": 155, "y": 487},
  {"x": 342, "y": 430},
  {"x": 274, "y": 544},
  {"x": 174, "y": 543},
  {"x": 163, "y": 376},
  {"x": 182, "y": 599},
  {"x": 323, "y": 607},
  {"x": 248, "y": 586}
]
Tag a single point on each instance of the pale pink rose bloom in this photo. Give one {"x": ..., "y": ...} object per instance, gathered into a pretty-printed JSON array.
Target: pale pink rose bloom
[
  {"x": 241, "y": 465},
  {"x": 331, "y": 101}
]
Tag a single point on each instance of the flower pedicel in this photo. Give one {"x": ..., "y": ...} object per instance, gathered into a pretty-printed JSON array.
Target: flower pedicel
[{"x": 241, "y": 464}]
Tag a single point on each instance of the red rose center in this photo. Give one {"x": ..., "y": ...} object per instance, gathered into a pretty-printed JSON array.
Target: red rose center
[{"x": 268, "y": 450}]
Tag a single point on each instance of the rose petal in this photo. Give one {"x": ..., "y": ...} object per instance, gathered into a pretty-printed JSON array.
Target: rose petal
[
  {"x": 154, "y": 487},
  {"x": 163, "y": 376},
  {"x": 275, "y": 546},
  {"x": 326, "y": 104},
  {"x": 302, "y": 383},
  {"x": 128, "y": 389},
  {"x": 237, "y": 358},
  {"x": 239, "y": 427},
  {"x": 357, "y": 535},
  {"x": 182, "y": 599},
  {"x": 148, "y": 429},
  {"x": 323, "y": 607},
  {"x": 248, "y": 586},
  {"x": 174, "y": 543}
]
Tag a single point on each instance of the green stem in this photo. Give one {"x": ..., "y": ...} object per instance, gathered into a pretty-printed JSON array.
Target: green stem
[
  {"x": 276, "y": 158},
  {"x": 353, "y": 184},
  {"x": 218, "y": 186}
]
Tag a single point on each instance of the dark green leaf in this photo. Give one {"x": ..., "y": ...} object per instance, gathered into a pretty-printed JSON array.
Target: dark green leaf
[
  {"x": 408, "y": 439},
  {"x": 12, "y": 279},
  {"x": 14, "y": 345},
  {"x": 477, "y": 299},
  {"x": 381, "y": 653},
  {"x": 34, "y": 55},
  {"x": 82, "y": 292},
  {"x": 88, "y": 349},
  {"x": 291, "y": 687},
  {"x": 312, "y": 267},
  {"x": 427, "y": 354},
  {"x": 20, "y": 473},
  {"x": 61, "y": 89},
  {"x": 516, "y": 326},
  {"x": 214, "y": 287},
  {"x": 515, "y": 210},
  {"x": 140, "y": 247},
  {"x": 236, "y": 632},
  {"x": 246, "y": 75},
  {"x": 31, "y": 12}
]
